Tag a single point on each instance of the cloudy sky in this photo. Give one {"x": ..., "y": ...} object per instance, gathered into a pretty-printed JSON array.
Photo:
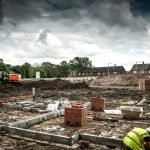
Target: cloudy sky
[{"x": 106, "y": 31}]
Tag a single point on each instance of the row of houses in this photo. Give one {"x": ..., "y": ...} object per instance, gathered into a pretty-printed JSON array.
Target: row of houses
[{"x": 113, "y": 70}]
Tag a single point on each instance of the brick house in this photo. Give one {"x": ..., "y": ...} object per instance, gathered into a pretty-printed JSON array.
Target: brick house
[
  {"x": 140, "y": 69},
  {"x": 100, "y": 71}
]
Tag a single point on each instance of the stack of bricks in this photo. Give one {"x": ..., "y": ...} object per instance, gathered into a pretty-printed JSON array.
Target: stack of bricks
[
  {"x": 76, "y": 115},
  {"x": 98, "y": 103},
  {"x": 144, "y": 84}
]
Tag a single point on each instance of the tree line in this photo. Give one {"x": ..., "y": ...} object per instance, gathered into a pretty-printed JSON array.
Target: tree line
[{"x": 49, "y": 70}]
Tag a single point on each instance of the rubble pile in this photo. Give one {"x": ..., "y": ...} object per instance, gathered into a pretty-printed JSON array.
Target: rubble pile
[{"x": 115, "y": 80}]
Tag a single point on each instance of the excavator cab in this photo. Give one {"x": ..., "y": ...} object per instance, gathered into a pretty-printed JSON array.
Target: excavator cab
[{"x": 3, "y": 76}]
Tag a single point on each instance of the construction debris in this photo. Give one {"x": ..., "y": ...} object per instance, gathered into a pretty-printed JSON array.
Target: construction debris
[
  {"x": 40, "y": 120},
  {"x": 131, "y": 112}
]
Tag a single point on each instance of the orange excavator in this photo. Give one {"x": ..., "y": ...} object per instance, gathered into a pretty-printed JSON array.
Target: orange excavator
[{"x": 9, "y": 78}]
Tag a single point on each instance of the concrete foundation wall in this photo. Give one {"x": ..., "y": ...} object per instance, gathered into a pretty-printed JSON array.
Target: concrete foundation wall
[
  {"x": 37, "y": 119},
  {"x": 39, "y": 135},
  {"x": 19, "y": 128},
  {"x": 70, "y": 140}
]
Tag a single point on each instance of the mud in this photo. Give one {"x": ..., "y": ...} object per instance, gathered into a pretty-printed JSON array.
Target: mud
[{"x": 74, "y": 92}]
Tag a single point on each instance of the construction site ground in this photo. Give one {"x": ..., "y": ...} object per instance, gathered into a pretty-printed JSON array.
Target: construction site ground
[{"x": 117, "y": 90}]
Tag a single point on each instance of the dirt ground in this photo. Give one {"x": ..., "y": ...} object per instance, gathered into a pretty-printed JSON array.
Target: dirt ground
[
  {"x": 116, "y": 89},
  {"x": 9, "y": 115}
]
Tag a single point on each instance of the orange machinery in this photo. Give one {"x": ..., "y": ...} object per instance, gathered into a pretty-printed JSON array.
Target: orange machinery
[
  {"x": 14, "y": 77},
  {"x": 5, "y": 77}
]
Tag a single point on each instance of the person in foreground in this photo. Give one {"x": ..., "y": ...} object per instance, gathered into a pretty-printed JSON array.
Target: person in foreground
[{"x": 137, "y": 139}]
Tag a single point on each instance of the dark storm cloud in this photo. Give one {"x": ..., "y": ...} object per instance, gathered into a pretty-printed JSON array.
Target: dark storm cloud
[
  {"x": 1, "y": 12},
  {"x": 111, "y": 12},
  {"x": 20, "y": 10},
  {"x": 140, "y": 7},
  {"x": 30, "y": 9},
  {"x": 68, "y": 4}
]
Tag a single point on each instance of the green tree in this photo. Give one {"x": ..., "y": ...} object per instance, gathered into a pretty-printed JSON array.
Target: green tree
[
  {"x": 26, "y": 70},
  {"x": 16, "y": 69},
  {"x": 37, "y": 69},
  {"x": 64, "y": 69},
  {"x": 49, "y": 69},
  {"x": 4, "y": 67},
  {"x": 80, "y": 64}
]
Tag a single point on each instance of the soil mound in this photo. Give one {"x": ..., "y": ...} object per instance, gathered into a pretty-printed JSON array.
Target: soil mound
[
  {"x": 117, "y": 80},
  {"x": 8, "y": 90},
  {"x": 43, "y": 85}
]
